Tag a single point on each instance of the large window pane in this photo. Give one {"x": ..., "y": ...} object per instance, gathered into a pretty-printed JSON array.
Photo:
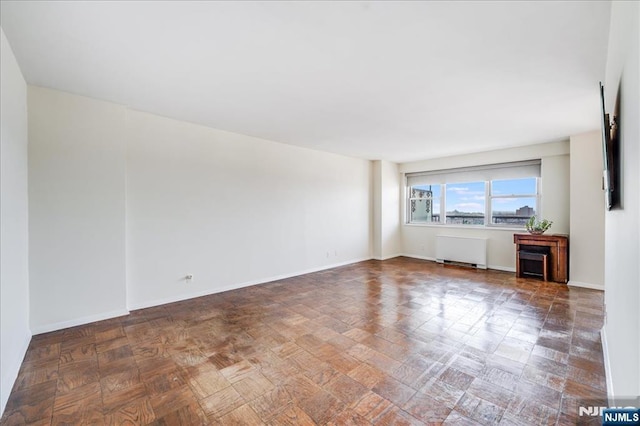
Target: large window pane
[
  {"x": 465, "y": 203},
  {"x": 512, "y": 210},
  {"x": 424, "y": 204},
  {"x": 525, "y": 186}
]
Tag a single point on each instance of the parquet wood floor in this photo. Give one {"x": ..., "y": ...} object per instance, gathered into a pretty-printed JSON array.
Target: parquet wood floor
[{"x": 396, "y": 342}]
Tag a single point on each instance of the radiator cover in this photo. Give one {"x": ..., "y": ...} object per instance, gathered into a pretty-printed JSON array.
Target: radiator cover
[{"x": 462, "y": 249}]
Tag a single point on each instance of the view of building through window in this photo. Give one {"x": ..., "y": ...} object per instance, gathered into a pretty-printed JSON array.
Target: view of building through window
[{"x": 465, "y": 203}]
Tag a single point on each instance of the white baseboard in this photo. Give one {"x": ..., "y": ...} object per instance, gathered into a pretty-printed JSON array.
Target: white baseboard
[
  {"x": 607, "y": 366},
  {"x": 11, "y": 373},
  {"x": 433, "y": 259},
  {"x": 207, "y": 292},
  {"x": 502, "y": 268},
  {"x": 416, "y": 256},
  {"x": 392, "y": 256},
  {"x": 46, "y": 328},
  {"x": 585, "y": 285}
]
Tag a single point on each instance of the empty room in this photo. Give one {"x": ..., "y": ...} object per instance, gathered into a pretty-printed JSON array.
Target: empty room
[{"x": 331, "y": 213}]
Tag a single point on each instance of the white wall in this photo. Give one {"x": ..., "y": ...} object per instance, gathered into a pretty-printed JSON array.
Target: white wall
[
  {"x": 76, "y": 209},
  {"x": 419, "y": 240},
  {"x": 14, "y": 210},
  {"x": 587, "y": 211},
  {"x": 622, "y": 228},
  {"x": 124, "y": 204},
  {"x": 386, "y": 210},
  {"x": 234, "y": 210}
]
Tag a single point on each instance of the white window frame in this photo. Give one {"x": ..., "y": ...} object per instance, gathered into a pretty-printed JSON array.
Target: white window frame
[{"x": 490, "y": 197}]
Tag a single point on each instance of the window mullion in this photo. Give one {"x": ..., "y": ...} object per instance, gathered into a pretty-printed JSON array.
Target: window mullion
[
  {"x": 487, "y": 203},
  {"x": 443, "y": 203}
]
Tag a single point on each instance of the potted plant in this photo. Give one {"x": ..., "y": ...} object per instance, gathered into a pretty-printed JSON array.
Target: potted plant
[{"x": 538, "y": 227}]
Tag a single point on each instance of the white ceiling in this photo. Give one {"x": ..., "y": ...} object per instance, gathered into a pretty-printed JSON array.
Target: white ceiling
[{"x": 399, "y": 81}]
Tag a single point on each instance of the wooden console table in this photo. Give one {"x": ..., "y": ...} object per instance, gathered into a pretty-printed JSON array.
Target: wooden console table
[{"x": 558, "y": 246}]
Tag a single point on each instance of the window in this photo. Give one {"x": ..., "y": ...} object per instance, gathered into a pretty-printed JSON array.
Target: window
[
  {"x": 465, "y": 203},
  {"x": 513, "y": 201},
  {"x": 504, "y": 195},
  {"x": 424, "y": 205}
]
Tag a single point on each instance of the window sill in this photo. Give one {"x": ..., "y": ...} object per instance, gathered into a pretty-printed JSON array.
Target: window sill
[{"x": 471, "y": 227}]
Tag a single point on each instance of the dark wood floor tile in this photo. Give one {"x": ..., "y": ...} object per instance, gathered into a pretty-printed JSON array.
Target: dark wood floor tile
[
  {"x": 488, "y": 391},
  {"x": 581, "y": 352},
  {"x": 457, "y": 419},
  {"x": 383, "y": 362},
  {"x": 594, "y": 379},
  {"x": 322, "y": 407},
  {"x": 371, "y": 406},
  {"x": 309, "y": 342},
  {"x": 442, "y": 392},
  {"x": 427, "y": 409},
  {"x": 136, "y": 412},
  {"x": 42, "y": 352},
  {"x": 527, "y": 410},
  {"x": 238, "y": 371},
  {"x": 397, "y": 417},
  {"x": 559, "y": 345},
  {"x": 141, "y": 332},
  {"x": 346, "y": 389},
  {"x": 171, "y": 400},
  {"x": 109, "y": 333},
  {"x": 31, "y": 404},
  {"x": 222, "y": 402},
  {"x": 561, "y": 357},
  {"x": 151, "y": 368},
  {"x": 189, "y": 357},
  {"x": 118, "y": 366},
  {"x": 479, "y": 410},
  {"x": 514, "y": 349},
  {"x": 243, "y": 415},
  {"x": 82, "y": 405},
  {"x": 108, "y": 345},
  {"x": 36, "y": 372},
  {"x": 203, "y": 379},
  {"x": 272, "y": 403},
  {"x": 152, "y": 348},
  {"x": 543, "y": 378},
  {"x": 188, "y": 415},
  {"x": 322, "y": 375},
  {"x": 82, "y": 351},
  {"x": 120, "y": 381},
  {"x": 393, "y": 390},
  {"x": 343, "y": 363},
  {"x": 457, "y": 378},
  {"x": 499, "y": 377},
  {"x": 366, "y": 375},
  {"x": 469, "y": 365},
  {"x": 253, "y": 386},
  {"x": 112, "y": 401},
  {"x": 72, "y": 376},
  {"x": 293, "y": 416},
  {"x": 593, "y": 365}
]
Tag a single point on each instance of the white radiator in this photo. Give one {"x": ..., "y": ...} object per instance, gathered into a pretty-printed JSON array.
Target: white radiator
[{"x": 462, "y": 249}]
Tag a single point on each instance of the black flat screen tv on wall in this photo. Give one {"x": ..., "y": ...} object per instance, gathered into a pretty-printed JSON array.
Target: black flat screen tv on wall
[{"x": 610, "y": 157}]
